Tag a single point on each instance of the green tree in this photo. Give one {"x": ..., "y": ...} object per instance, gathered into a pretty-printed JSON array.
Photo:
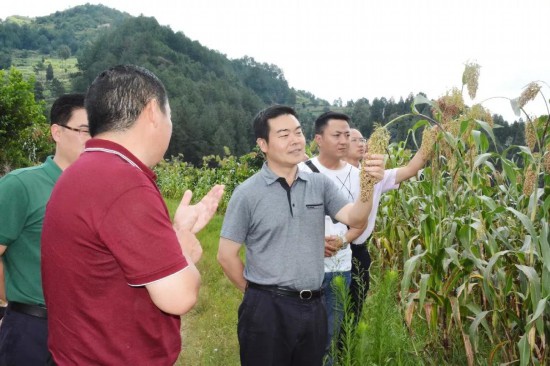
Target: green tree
[
  {"x": 57, "y": 87},
  {"x": 64, "y": 52},
  {"x": 49, "y": 72},
  {"x": 24, "y": 135},
  {"x": 5, "y": 60},
  {"x": 38, "y": 91}
]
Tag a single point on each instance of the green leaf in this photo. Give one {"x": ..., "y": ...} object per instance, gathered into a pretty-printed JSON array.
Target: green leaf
[
  {"x": 527, "y": 223},
  {"x": 544, "y": 245},
  {"x": 510, "y": 172},
  {"x": 489, "y": 202},
  {"x": 539, "y": 310},
  {"x": 489, "y": 269},
  {"x": 487, "y": 127},
  {"x": 524, "y": 351},
  {"x": 515, "y": 106},
  {"x": 482, "y": 158},
  {"x": 526, "y": 150},
  {"x": 424, "y": 277},
  {"x": 534, "y": 283},
  {"x": 419, "y": 99},
  {"x": 408, "y": 269},
  {"x": 475, "y": 324}
]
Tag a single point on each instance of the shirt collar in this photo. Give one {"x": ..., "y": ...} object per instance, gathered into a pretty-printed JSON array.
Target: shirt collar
[
  {"x": 271, "y": 177},
  {"x": 52, "y": 169},
  {"x": 96, "y": 143}
]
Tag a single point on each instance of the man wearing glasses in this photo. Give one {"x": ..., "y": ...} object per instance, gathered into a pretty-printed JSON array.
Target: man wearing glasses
[
  {"x": 357, "y": 148},
  {"x": 23, "y": 197}
]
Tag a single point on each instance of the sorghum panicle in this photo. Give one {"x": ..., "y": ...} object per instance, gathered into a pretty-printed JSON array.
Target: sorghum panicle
[
  {"x": 470, "y": 77},
  {"x": 529, "y": 182},
  {"x": 528, "y": 94},
  {"x": 530, "y": 134},
  {"x": 377, "y": 144}
]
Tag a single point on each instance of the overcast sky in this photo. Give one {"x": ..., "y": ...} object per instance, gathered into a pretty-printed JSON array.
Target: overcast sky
[{"x": 351, "y": 49}]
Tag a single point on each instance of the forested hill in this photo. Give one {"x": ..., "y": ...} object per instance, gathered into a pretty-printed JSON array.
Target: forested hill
[
  {"x": 76, "y": 27},
  {"x": 213, "y": 98}
]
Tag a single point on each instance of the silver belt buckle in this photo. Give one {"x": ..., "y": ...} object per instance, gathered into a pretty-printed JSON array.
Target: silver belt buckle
[{"x": 306, "y": 294}]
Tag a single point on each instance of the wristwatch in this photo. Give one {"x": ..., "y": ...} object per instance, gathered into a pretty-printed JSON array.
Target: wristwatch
[{"x": 345, "y": 243}]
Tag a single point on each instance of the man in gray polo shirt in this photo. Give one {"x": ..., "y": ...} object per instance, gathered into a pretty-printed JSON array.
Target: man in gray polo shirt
[{"x": 279, "y": 214}]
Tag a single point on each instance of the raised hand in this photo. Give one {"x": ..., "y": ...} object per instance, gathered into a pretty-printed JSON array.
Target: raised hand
[
  {"x": 195, "y": 217},
  {"x": 373, "y": 165}
]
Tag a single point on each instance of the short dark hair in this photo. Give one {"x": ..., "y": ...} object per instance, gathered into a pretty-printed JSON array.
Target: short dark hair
[
  {"x": 261, "y": 127},
  {"x": 322, "y": 120},
  {"x": 63, "y": 107},
  {"x": 118, "y": 95}
]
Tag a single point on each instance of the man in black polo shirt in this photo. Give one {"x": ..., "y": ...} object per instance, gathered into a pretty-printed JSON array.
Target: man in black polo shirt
[{"x": 279, "y": 214}]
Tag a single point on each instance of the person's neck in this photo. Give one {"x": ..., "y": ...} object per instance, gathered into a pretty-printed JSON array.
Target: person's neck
[
  {"x": 287, "y": 172},
  {"x": 330, "y": 162},
  {"x": 61, "y": 162},
  {"x": 132, "y": 143},
  {"x": 354, "y": 162}
]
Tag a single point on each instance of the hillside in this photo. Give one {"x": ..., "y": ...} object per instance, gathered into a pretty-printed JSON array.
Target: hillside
[{"x": 213, "y": 98}]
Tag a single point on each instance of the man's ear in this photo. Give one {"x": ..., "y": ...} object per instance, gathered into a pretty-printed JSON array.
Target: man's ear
[
  {"x": 55, "y": 130},
  {"x": 262, "y": 143},
  {"x": 150, "y": 112},
  {"x": 318, "y": 139}
]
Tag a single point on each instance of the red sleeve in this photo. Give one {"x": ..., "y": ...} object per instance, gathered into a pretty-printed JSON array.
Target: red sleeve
[{"x": 138, "y": 232}]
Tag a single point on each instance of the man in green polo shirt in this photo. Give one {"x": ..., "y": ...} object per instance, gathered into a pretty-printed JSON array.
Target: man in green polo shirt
[{"x": 24, "y": 194}]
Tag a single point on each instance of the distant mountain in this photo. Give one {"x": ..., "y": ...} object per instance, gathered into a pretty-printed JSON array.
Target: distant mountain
[
  {"x": 213, "y": 98},
  {"x": 76, "y": 27}
]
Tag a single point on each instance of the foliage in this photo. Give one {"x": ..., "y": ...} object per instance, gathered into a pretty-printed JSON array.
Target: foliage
[
  {"x": 24, "y": 133},
  {"x": 381, "y": 337},
  {"x": 49, "y": 73},
  {"x": 211, "y": 108},
  {"x": 73, "y": 28},
  {"x": 176, "y": 176},
  {"x": 474, "y": 235}
]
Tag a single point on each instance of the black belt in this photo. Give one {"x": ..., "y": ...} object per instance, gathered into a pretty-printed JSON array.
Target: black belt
[
  {"x": 304, "y": 294},
  {"x": 33, "y": 310}
]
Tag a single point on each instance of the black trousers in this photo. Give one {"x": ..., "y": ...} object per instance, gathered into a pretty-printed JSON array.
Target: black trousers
[
  {"x": 23, "y": 340},
  {"x": 360, "y": 277},
  {"x": 276, "y": 330}
]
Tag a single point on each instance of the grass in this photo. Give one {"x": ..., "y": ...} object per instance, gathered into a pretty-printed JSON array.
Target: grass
[{"x": 209, "y": 330}]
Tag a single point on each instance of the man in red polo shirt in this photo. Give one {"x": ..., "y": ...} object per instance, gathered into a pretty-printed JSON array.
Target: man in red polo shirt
[{"x": 116, "y": 272}]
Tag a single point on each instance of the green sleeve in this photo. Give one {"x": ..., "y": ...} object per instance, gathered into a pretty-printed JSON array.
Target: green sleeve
[{"x": 14, "y": 202}]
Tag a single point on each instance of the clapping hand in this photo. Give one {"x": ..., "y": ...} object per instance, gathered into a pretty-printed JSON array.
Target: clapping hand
[{"x": 195, "y": 217}]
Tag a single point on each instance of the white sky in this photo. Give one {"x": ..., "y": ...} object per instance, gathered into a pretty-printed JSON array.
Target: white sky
[{"x": 358, "y": 48}]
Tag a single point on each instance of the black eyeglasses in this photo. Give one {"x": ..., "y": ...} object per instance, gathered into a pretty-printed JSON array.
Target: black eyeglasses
[{"x": 80, "y": 131}]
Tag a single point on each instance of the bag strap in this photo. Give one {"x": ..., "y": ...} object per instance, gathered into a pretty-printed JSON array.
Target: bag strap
[{"x": 312, "y": 166}]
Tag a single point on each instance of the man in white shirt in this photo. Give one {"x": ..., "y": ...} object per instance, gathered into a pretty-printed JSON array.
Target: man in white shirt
[{"x": 332, "y": 135}]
